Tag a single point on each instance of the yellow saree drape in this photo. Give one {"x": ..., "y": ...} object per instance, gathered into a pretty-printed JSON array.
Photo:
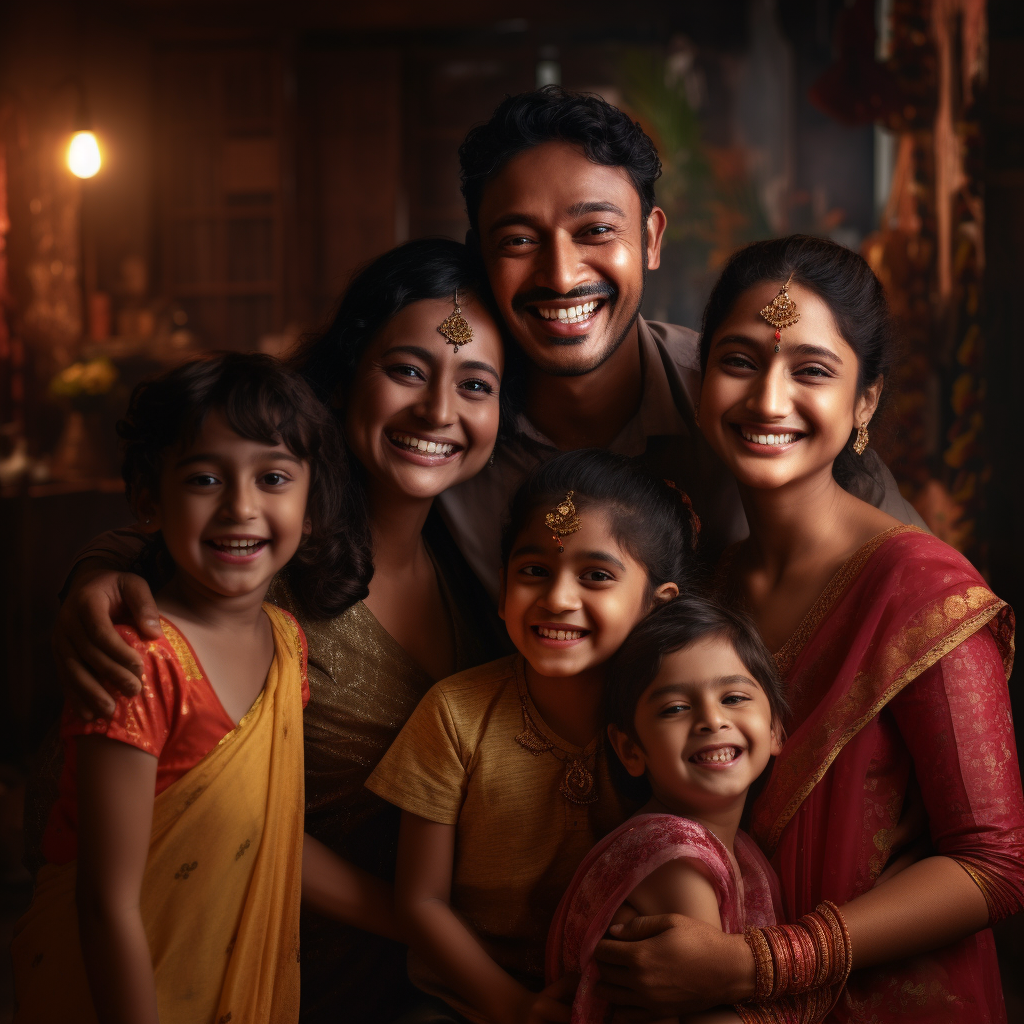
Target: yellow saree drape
[{"x": 222, "y": 886}]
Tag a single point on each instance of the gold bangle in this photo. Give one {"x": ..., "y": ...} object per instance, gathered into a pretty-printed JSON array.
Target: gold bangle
[
  {"x": 843, "y": 956},
  {"x": 764, "y": 971},
  {"x": 824, "y": 944}
]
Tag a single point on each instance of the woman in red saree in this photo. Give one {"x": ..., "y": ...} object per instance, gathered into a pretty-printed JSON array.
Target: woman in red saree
[
  {"x": 895, "y": 654},
  {"x": 898, "y": 676}
]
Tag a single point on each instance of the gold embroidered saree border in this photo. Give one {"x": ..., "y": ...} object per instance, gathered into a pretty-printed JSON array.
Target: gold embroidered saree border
[
  {"x": 194, "y": 672},
  {"x": 999, "y": 896},
  {"x": 907, "y": 676},
  {"x": 787, "y": 654},
  {"x": 980, "y": 879},
  {"x": 182, "y": 650}
]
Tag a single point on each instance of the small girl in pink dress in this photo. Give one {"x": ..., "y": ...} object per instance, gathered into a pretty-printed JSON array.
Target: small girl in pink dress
[{"x": 694, "y": 707}]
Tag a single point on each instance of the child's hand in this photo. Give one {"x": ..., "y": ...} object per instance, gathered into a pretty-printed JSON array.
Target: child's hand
[{"x": 551, "y": 1006}]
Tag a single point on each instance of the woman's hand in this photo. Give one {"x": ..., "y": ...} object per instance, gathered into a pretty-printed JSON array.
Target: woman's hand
[
  {"x": 88, "y": 650},
  {"x": 669, "y": 965}
]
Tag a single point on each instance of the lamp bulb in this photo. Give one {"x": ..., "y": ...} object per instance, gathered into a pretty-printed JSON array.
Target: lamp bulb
[{"x": 84, "y": 155}]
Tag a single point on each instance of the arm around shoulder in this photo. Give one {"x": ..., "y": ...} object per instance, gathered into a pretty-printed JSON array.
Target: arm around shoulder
[{"x": 88, "y": 650}]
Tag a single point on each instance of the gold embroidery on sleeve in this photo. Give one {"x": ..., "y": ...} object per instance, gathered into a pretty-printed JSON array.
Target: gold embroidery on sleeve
[{"x": 181, "y": 651}]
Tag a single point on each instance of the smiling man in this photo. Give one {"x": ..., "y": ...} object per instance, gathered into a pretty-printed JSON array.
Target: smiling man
[{"x": 559, "y": 190}]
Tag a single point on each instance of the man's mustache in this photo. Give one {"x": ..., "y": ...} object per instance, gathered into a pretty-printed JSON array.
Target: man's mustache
[{"x": 598, "y": 290}]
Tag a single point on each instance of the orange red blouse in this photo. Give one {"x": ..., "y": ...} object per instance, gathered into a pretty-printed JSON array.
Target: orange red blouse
[{"x": 177, "y": 717}]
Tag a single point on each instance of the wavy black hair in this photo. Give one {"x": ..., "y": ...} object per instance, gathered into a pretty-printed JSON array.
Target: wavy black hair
[
  {"x": 427, "y": 268},
  {"x": 671, "y": 627},
  {"x": 844, "y": 282},
  {"x": 261, "y": 401},
  {"x": 648, "y": 517},
  {"x": 551, "y": 114}
]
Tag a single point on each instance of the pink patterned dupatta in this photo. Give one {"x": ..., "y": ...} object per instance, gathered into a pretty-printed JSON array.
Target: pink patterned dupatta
[{"x": 617, "y": 865}]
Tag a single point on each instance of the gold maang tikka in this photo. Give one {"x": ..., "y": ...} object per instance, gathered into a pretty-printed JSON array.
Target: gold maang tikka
[
  {"x": 563, "y": 520},
  {"x": 781, "y": 312},
  {"x": 455, "y": 327}
]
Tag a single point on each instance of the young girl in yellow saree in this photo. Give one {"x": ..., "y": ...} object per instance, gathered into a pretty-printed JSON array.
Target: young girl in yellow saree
[{"x": 175, "y": 851}]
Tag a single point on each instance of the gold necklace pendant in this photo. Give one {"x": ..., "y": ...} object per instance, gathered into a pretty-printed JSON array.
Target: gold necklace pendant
[
  {"x": 578, "y": 782},
  {"x": 533, "y": 741},
  {"x": 577, "y": 785}
]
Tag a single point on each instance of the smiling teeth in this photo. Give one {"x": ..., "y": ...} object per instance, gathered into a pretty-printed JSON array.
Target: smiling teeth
[
  {"x": 241, "y": 546},
  {"x": 769, "y": 438},
  {"x": 418, "y": 444},
  {"x": 719, "y": 756},
  {"x": 572, "y": 315},
  {"x": 560, "y": 634}
]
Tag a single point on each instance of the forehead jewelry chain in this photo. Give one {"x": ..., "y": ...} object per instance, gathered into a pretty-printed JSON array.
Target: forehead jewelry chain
[
  {"x": 455, "y": 327},
  {"x": 563, "y": 520},
  {"x": 781, "y": 312}
]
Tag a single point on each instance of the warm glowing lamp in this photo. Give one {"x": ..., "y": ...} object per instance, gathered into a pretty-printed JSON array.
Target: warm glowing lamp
[{"x": 84, "y": 155}]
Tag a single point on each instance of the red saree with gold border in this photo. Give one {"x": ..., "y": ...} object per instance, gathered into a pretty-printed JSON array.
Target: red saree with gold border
[{"x": 897, "y": 678}]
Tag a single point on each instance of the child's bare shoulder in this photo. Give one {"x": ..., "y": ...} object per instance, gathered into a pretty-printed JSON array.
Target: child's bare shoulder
[{"x": 682, "y": 886}]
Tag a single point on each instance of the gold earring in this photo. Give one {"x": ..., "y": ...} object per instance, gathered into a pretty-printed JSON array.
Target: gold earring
[
  {"x": 781, "y": 312},
  {"x": 862, "y": 439},
  {"x": 455, "y": 327}
]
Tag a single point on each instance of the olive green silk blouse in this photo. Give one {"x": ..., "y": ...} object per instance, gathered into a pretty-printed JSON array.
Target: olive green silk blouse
[{"x": 362, "y": 688}]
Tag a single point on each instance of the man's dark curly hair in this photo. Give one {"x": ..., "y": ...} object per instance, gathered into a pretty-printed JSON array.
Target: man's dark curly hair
[
  {"x": 551, "y": 114},
  {"x": 263, "y": 401}
]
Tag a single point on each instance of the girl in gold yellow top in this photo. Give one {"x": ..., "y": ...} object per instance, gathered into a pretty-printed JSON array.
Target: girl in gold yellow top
[
  {"x": 176, "y": 851},
  {"x": 500, "y": 772}
]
